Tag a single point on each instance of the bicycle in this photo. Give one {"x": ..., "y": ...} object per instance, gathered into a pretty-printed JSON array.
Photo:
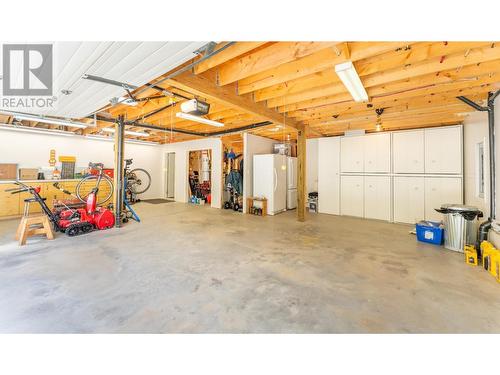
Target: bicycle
[
  {"x": 85, "y": 185},
  {"x": 138, "y": 182}
]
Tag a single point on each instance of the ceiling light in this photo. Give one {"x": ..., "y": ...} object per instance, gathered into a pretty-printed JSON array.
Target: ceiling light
[
  {"x": 201, "y": 120},
  {"x": 111, "y": 139},
  {"x": 48, "y": 120},
  {"x": 35, "y": 130},
  {"x": 350, "y": 78},
  {"x": 128, "y": 132}
]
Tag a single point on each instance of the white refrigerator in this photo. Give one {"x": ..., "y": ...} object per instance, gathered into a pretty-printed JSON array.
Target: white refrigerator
[
  {"x": 269, "y": 181},
  {"x": 291, "y": 183}
]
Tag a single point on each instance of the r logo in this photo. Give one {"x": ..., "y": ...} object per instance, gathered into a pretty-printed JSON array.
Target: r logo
[{"x": 27, "y": 69}]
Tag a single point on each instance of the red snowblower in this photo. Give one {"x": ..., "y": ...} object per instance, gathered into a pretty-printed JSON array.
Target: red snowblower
[{"x": 71, "y": 221}]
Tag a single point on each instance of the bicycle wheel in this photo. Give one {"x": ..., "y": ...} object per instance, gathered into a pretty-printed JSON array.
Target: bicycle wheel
[
  {"x": 138, "y": 180},
  {"x": 85, "y": 186}
]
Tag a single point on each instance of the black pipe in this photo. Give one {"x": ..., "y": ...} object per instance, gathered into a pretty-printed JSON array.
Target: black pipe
[
  {"x": 236, "y": 130},
  {"x": 149, "y": 126},
  {"x": 490, "y": 108},
  {"x": 471, "y": 103},
  {"x": 156, "y": 111},
  {"x": 183, "y": 131},
  {"x": 119, "y": 188},
  {"x": 491, "y": 137}
]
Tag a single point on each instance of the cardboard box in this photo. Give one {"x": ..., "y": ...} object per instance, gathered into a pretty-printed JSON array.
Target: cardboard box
[
  {"x": 28, "y": 173},
  {"x": 8, "y": 171}
]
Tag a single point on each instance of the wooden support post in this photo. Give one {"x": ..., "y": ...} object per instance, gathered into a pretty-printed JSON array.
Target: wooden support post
[
  {"x": 118, "y": 172},
  {"x": 301, "y": 173}
]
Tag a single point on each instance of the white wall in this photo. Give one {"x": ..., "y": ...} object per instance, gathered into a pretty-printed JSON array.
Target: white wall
[
  {"x": 312, "y": 165},
  {"x": 181, "y": 150},
  {"x": 252, "y": 145},
  {"x": 32, "y": 151},
  {"x": 476, "y": 131}
]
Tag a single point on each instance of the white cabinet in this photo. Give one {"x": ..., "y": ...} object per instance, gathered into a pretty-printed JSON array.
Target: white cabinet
[
  {"x": 377, "y": 197},
  {"x": 377, "y": 153},
  {"x": 408, "y": 151},
  {"x": 443, "y": 150},
  {"x": 409, "y": 199},
  {"x": 440, "y": 190},
  {"x": 329, "y": 175},
  {"x": 352, "y": 195},
  {"x": 351, "y": 154}
]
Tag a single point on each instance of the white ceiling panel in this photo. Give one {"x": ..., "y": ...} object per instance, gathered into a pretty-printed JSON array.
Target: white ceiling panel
[{"x": 135, "y": 63}]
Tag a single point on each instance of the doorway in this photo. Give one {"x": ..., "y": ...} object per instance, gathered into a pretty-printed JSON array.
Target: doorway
[
  {"x": 200, "y": 176},
  {"x": 170, "y": 175}
]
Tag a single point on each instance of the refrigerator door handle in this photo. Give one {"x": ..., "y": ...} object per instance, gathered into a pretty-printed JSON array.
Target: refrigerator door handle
[{"x": 275, "y": 179}]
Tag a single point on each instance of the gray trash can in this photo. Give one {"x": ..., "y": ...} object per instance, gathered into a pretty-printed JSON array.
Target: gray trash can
[{"x": 460, "y": 225}]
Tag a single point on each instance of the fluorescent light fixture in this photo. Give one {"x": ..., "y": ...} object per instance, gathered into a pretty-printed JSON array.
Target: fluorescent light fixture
[
  {"x": 128, "y": 132},
  {"x": 27, "y": 129},
  {"x": 202, "y": 120},
  {"x": 110, "y": 139},
  {"x": 350, "y": 78},
  {"x": 53, "y": 121},
  {"x": 138, "y": 142}
]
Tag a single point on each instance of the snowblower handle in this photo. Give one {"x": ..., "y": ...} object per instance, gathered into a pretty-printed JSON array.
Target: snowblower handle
[
  {"x": 17, "y": 190},
  {"x": 96, "y": 165}
]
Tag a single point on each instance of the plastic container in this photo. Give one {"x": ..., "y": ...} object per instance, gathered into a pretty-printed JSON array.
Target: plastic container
[{"x": 430, "y": 232}]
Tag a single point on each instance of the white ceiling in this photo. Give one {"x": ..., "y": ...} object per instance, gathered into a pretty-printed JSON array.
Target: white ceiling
[{"x": 135, "y": 63}]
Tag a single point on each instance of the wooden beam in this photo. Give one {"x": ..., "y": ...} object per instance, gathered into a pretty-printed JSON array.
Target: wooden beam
[
  {"x": 229, "y": 53},
  {"x": 316, "y": 62},
  {"x": 267, "y": 58},
  {"x": 204, "y": 85},
  {"x": 345, "y": 99},
  {"x": 301, "y": 174}
]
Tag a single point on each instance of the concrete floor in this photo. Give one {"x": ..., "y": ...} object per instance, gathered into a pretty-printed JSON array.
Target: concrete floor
[{"x": 195, "y": 269}]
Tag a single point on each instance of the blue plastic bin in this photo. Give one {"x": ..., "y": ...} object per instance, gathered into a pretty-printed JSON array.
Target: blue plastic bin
[{"x": 430, "y": 232}]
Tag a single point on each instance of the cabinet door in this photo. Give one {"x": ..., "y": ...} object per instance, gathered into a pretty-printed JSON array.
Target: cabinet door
[
  {"x": 378, "y": 153},
  {"x": 352, "y": 192},
  {"x": 443, "y": 150},
  {"x": 441, "y": 190},
  {"x": 408, "y": 151},
  {"x": 351, "y": 154},
  {"x": 9, "y": 203},
  {"x": 409, "y": 199},
  {"x": 377, "y": 197},
  {"x": 328, "y": 175}
]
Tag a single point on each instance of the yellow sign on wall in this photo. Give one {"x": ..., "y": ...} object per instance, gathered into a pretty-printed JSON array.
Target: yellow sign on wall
[{"x": 52, "y": 160}]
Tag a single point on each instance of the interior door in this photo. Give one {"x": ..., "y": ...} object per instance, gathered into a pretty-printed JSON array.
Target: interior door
[
  {"x": 329, "y": 175},
  {"x": 170, "y": 175}
]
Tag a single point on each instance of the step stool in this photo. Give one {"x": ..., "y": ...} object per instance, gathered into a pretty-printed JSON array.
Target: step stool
[{"x": 25, "y": 230}]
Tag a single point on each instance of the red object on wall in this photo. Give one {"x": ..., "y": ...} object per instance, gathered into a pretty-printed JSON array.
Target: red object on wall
[
  {"x": 110, "y": 172},
  {"x": 209, "y": 198}
]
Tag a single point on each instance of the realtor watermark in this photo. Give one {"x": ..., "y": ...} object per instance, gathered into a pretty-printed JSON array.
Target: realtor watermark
[{"x": 27, "y": 77}]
